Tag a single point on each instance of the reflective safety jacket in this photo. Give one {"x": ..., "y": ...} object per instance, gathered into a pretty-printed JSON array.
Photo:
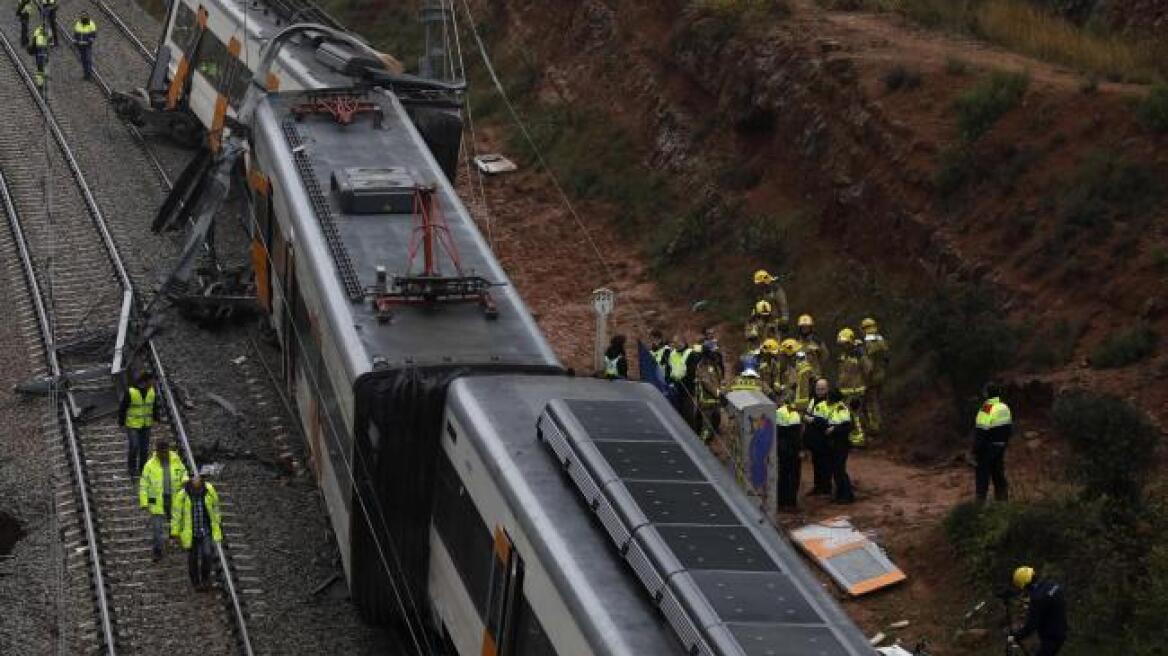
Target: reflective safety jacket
[
  {"x": 875, "y": 359},
  {"x": 851, "y": 376},
  {"x": 26, "y": 9},
  {"x": 613, "y": 367},
  {"x": 661, "y": 355},
  {"x": 678, "y": 361},
  {"x": 742, "y": 383},
  {"x": 140, "y": 413},
  {"x": 181, "y": 515},
  {"x": 788, "y": 425},
  {"x": 150, "y": 486},
  {"x": 40, "y": 41},
  {"x": 994, "y": 422},
  {"x": 839, "y": 417},
  {"x": 84, "y": 33}
]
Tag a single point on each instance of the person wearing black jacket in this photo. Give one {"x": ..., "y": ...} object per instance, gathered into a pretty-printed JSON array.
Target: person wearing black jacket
[
  {"x": 815, "y": 437},
  {"x": 616, "y": 363},
  {"x": 839, "y": 429},
  {"x": 1046, "y": 614}
]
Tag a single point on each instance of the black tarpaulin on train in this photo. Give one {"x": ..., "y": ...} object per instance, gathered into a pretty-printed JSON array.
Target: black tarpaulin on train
[{"x": 398, "y": 433}]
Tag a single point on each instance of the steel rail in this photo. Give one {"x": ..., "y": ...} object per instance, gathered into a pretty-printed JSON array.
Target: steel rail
[
  {"x": 103, "y": 604},
  {"x": 125, "y": 30},
  {"x": 128, "y": 284}
]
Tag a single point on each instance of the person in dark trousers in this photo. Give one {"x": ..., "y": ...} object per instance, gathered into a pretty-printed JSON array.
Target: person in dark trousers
[
  {"x": 616, "y": 362},
  {"x": 39, "y": 49},
  {"x": 1046, "y": 614},
  {"x": 992, "y": 430},
  {"x": 161, "y": 478},
  {"x": 49, "y": 17},
  {"x": 198, "y": 525},
  {"x": 138, "y": 412},
  {"x": 788, "y": 441},
  {"x": 84, "y": 34},
  {"x": 708, "y": 385},
  {"x": 815, "y": 420},
  {"x": 840, "y": 424},
  {"x": 25, "y": 10}
]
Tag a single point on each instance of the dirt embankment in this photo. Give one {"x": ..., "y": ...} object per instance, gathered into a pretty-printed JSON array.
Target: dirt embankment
[{"x": 801, "y": 119}]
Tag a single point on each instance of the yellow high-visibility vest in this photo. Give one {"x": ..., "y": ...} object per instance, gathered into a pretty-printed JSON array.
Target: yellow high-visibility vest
[{"x": 140, "y": 414}]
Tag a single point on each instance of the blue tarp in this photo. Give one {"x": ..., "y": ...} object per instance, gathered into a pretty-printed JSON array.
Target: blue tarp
[{"x": 651, "y": 371}]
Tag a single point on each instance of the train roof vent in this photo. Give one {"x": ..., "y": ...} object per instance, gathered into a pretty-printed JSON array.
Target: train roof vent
[
  {"x": 342, "y": 59},
  {"x": 722, "y": 591},
  {"x": 375, "y": 190}
]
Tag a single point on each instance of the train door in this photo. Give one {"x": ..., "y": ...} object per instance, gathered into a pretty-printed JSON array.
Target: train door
[{"x": 505, "y": 598}]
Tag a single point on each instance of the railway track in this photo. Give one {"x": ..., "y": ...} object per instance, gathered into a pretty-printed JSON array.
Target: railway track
[{"x": 80, "y": 288}]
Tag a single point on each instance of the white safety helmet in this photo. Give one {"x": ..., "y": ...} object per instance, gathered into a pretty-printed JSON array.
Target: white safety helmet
[{"x": 750, "y": 373}]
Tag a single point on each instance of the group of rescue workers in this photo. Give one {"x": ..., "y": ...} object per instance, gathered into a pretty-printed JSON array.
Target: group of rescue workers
[
  {"x": 187, "y": 504},
  {"x": 789, "y": 364},
  {"x": 43, "y": 36}
]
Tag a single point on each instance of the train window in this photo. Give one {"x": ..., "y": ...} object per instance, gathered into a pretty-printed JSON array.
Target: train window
[
  {"x": 240, "y": 77},
  {"x": 530, "y": 638},
  {"x": 450, "y": 431},
  {"x": 466, "y": 536},
  {"x": 506, "y": 587},
  {"x": 185, "y": 27},
  {"x": 213, "y": 61}
]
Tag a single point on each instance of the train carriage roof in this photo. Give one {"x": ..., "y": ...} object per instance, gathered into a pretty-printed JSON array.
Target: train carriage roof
[
  {"x": 760, "y": 597},
  {"x": 310, "y": 158}
]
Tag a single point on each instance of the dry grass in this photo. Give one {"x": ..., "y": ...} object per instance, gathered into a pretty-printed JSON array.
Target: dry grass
[
  {"x": 1025, "y": 28},
  {"x": 1029, "y": 30}
]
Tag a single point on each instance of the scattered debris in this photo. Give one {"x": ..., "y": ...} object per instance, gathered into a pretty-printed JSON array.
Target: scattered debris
[
  {"x": 494, "y": 163},
  {"x": 856, "y": 563},
  {"x": 325, "y": 586},
  {"x": 226, "y": 405},
  {"x": 211, "y": 469},
  {"x": 240, "y": 360},
  {"x": 899, "y": 625}
]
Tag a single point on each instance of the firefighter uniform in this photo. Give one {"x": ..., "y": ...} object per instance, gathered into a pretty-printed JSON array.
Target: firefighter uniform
[
  {"x": 817, "y": 352},
  {"x": 709, "y": 389},
  {"x": 851, "y": 381},
  {"x": 804, "y": 380},
  {"x": 875, "y": 365}
]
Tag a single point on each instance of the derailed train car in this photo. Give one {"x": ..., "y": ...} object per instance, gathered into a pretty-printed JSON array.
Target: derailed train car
[{"x": 478, "y": 493}]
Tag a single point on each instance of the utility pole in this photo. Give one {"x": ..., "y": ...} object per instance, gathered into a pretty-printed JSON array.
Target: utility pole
[{"x": 603, "y": 300}]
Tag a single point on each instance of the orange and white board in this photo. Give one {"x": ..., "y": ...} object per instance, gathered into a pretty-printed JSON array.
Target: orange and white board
[{"x": 856, "y": 563}]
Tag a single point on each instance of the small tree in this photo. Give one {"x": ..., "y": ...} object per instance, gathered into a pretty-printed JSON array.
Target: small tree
[{"x": 1112, "y": 445}]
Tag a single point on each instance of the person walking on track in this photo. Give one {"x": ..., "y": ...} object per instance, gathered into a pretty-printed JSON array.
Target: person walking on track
[
  {"x": 84, "y": 34},
  {"x": 138, "y": 412},
  {"x": 197, "y": 522},
  {"x": 25, "y": 10},
  {"x": 161, "y": 479}
]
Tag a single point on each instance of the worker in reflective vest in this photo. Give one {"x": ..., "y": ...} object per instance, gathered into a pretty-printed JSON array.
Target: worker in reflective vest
[
  {"x": 138, "y": 412},
  {"x": 25, "y": 10},
  {"x": 815, "y": 421},
  {"x": 993, "y": 427},
  {"x": 39, "y": 49},
  {"x": 196, "y": 521},
  {"x": 788, "y": 442},
  {"x": 839, "y": 429},
  {"x": 84, "y": 34},
  {"x": 161, "y": 479}
]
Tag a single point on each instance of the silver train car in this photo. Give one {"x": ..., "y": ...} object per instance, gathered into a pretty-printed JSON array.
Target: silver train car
[{"x": 481, "y": 496}]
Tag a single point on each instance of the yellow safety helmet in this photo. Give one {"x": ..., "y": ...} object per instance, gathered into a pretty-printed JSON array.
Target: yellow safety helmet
[
  {"x": 867, "y": 323},
  {"x": 846, "y": 336},
  {"x": 789, "y": 346},
  {"x": 806, "y": 320},
  {"x": 771, "y": 346},
  {"x": 1023, "y": 576},
  {"x": 761, "y": 277},
  {"x": 762, "y": 308}
]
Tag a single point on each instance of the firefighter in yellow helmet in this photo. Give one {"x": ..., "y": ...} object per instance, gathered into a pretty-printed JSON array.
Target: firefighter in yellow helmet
[
  {"x": 851, "y": 379},
  {"x": 817, "y": 352},
  {"x": 804, "y": 380},
  {"x": 875, "y": 366},
  {"x": 787, "y": 350},
  {"x": 762, "y": 322},
  {"x": 1046, "y": 612},
  {"x": 772, "y": 291},
  {"x": 768, "y": 367}
]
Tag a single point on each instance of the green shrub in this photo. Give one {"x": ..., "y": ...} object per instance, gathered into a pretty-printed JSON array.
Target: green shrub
[
  {"x": 902, "y": 77},
  {"x": 1106, "y": 187},
  {"x": 956, "y": 169},
  {"x": 1153, "y": 109},
  {"x": 1124, "y": 347},
  {"x": 956, "y": 66},
  {"x": 966, "y": 329},
  {"x": 1113, "y": 445},
  {"x": 979, "y": 108}
]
